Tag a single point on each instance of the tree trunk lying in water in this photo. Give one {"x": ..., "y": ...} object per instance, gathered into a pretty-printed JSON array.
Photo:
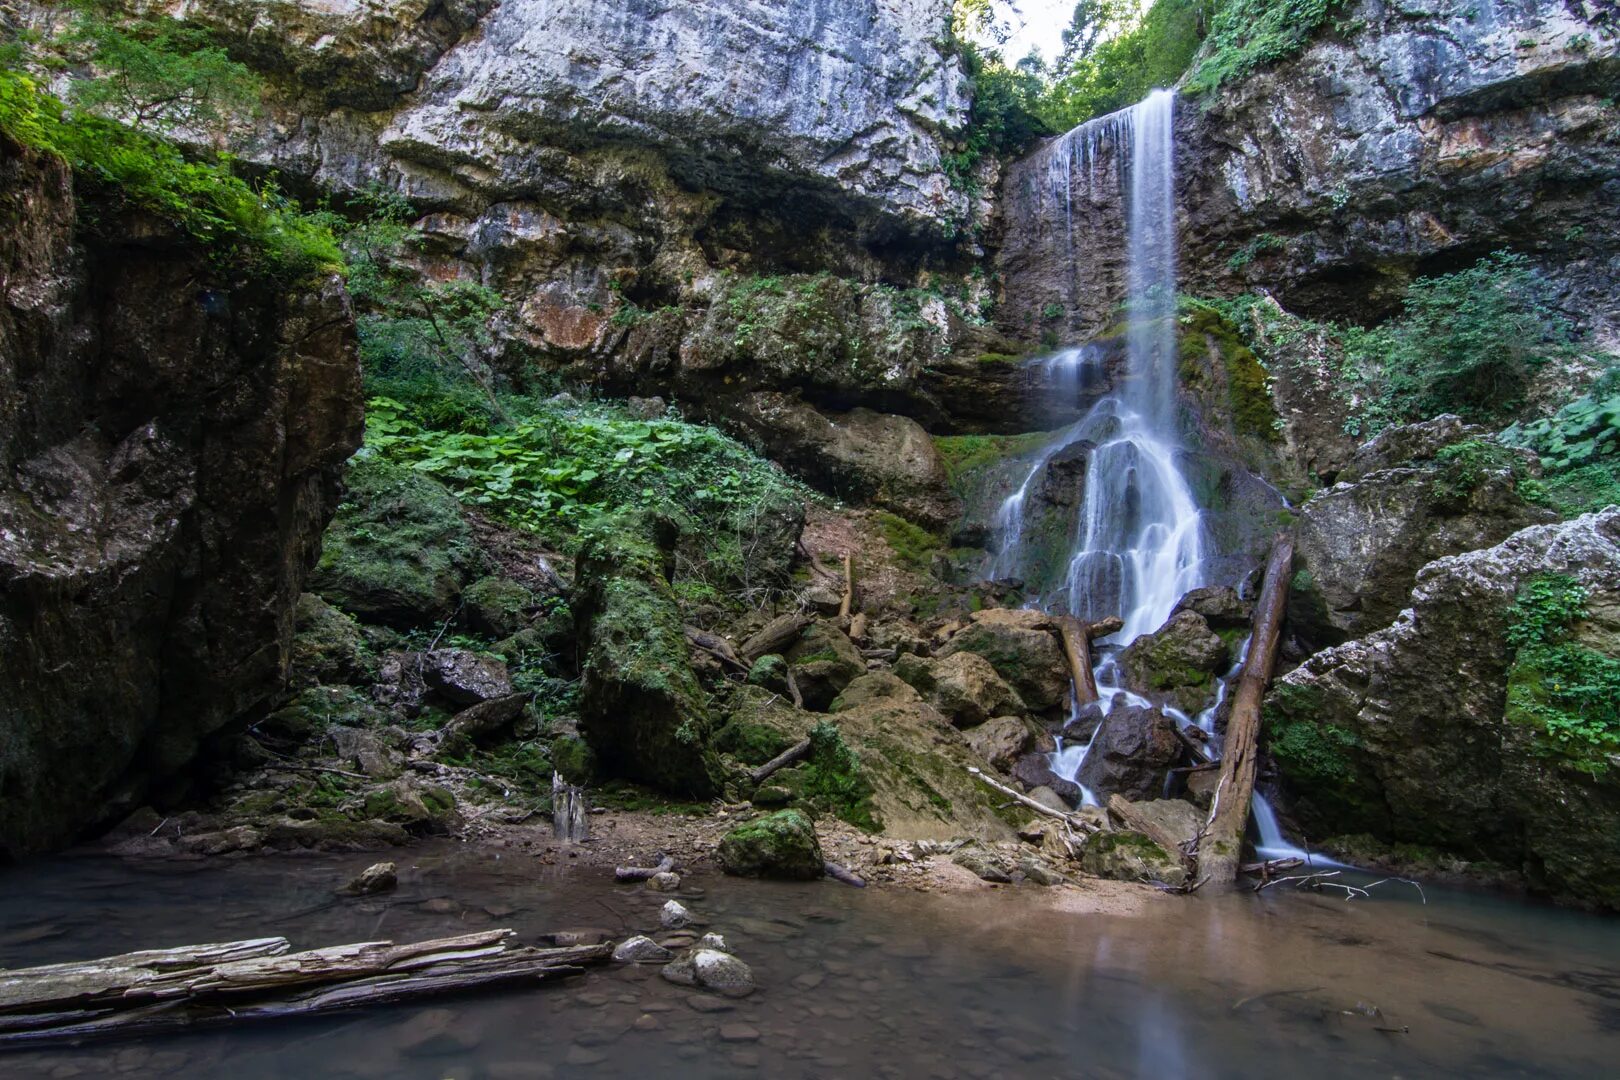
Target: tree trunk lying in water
[
  {"x": 1222, "y": 844},
  {"x": 1077, "y": 637},
  {"x": 212, "y": 985}
]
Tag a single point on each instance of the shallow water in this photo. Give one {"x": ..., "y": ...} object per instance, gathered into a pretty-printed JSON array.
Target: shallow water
[{"x": 864, "y": 982}]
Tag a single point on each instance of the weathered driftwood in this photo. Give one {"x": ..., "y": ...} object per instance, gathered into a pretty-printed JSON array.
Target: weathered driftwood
[
  {"x": 774, "y": 636},
  {"x": 569, "y": 810},
  {"x": 425, "y": 973},
  {"x": 665, "y": 864},
  {"x": 781, "y": 761},
  {"x": 858, "y": 626},
  {"x": 1077, "y": 649},
  {"x": 1221, "y": 848},
  {"x": 68, "y": 986}
]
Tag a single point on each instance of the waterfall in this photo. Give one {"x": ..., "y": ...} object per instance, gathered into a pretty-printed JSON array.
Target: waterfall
[{"x": 1140, "y": 541}]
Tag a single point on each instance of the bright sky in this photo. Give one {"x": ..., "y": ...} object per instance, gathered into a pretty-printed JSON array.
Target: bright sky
[{"x": 1036, "y": 24}]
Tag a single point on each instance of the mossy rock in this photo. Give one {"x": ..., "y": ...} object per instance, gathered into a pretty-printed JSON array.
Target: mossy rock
[
  {"x": 398, "y": 551},
  {"x": 316, "y": 708},
  {"x": 1130, "y": 856},
  {"x": 641, "y": 707},
  {"x": 418, "y": 807},
  {"x": 1177, "y": 664},
  {"x": 780, "y": 845},
  {"x": 760, "y": 724},
  {"x": 573, "y": 759},
  {"x": 496, "y": 607},
  {"x": 328, "y": 646},
  {"x": 824, "y": 662},
  {"x": 770, "y": 672}
]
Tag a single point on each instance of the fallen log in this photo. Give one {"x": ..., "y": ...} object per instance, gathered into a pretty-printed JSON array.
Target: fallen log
[
  {"x": 1221, "y": 848},
  {"x": 716, "y": 646},
  {"x": 774, "y": 636},
  {"x": 666, "y": 864},
  {"x": 1077, "y": 650},
  {"x": 1070, "y": 821},
  {"x": 842, "y": 873},
  {"x": 448, "y": 974},
  {"x": 846, "y": 602},
  {"x": 40, "y": 989},
  {"x": 781, "y": 761}
]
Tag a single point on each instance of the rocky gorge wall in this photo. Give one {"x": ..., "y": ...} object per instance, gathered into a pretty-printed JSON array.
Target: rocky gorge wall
[
  {"x": 1409, "y": 138},
  {"x": 171, "y": 439}
]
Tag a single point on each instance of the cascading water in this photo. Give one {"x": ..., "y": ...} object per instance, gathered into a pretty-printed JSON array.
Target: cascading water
[{"x": 1140, "y": 540}]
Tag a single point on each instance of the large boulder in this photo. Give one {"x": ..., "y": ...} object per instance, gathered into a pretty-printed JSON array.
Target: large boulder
[
  {"x": 1132, "y": 754},
  {"x": 779, "y": 845},
  {"x": 1130, "y": 856},
  {"x": 964, "y": 686},
  {"x": 1401, "y": 504},
  {"x": 1178, "y": 663},
  {"x": 868, "y": 457},
  {"x": 1439, "y": 731},
  {"x": 641, "y": 708},
  {"x": 172, "y": 434},
  {"x": 398, "y": 552},
  {"x": 824, "y": 661},
  {"x": 1023, "y": 648}
]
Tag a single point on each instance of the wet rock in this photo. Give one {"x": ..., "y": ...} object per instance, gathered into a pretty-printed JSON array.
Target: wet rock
[
  {"x": 664, "y": 882},
  {"x": 673, "y": 915},
  {"x": 1170, "y": 820},
  {"x": 436, "y": 1033},
  {"x": 1038, "y": 871},
  {"x": 1001, "y": 741},
  {"x": 463, "y": 677},
  {"x": 771, "y": 797},
  {"x": 1132, "y": 754},
  {"x": 824, "y": 662},
  {"x": 1035, "y": 771},
  {"x": 1219, "y": 606},
  {"x": 1130, "y": 856},
  {"x": 376, "y": 878},
  {"x": 416, "y": 805},
  {"x": 1177, "y": 664},
  {"x": 641, "y": 950},
  {"x": 722, "y": 973},
  {"x": 1425, "y": 732},
  {"x": 780, "y": 845},
  {"x": 712, "y": 941},
  {"x": 1024, "y": 651},
  {"x": 739, "y": 1033},
  {"x": 224, "y": 841},
  {"x": 964, "y": 686},
  {"x": 581, "y": 935}
]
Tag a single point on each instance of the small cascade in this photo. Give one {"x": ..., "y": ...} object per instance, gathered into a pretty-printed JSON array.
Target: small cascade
[{"x": 1140, "y": 541}]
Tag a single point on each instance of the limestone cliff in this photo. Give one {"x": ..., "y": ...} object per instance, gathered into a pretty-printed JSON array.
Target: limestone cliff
[
  {"x": 170, "y": 443},
  {"x": 1411, "y": 138}
]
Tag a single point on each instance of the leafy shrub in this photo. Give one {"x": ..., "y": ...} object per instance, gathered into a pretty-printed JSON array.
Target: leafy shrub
[
  {"x": 1003, "y": 118},
  {"x": 240, "y": 224},
  {"x": 1579, "y": 448},
  {"x": 1246, "y": 35},
  {"x": 1568, "y": 691},
  {"x": 835, "y": 780}
]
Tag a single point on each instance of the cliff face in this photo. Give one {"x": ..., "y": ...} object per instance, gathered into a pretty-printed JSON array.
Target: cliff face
[
  {"x": 170, "y": 446},
  {"x": 1412, "y": 139},
  {"x": 564, "y": 148}
]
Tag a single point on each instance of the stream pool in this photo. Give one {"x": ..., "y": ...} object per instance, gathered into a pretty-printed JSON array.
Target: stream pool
[{"x": 862, "y": 983}]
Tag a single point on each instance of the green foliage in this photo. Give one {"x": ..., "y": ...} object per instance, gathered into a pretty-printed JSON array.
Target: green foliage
[
  {"x": 913, "y": 545},
  {"x": 1566, "y": 690},
  {"x": 1002, "y": 119},
  {"x": 963, "y": 454},
  {"x": 1465, "y": 465},
  {"x": 835, "y": 779},
  {"x": 1579, "y": 447},
  {"x": 242, "y": 226},
  {"x": 1246, "y": 35},
  {"x": 563, "y": 463},
  {"x": 1265, "y": 242},
  {"x": 1127, "y": 59},
  {"x": 154, "y": 73}
]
